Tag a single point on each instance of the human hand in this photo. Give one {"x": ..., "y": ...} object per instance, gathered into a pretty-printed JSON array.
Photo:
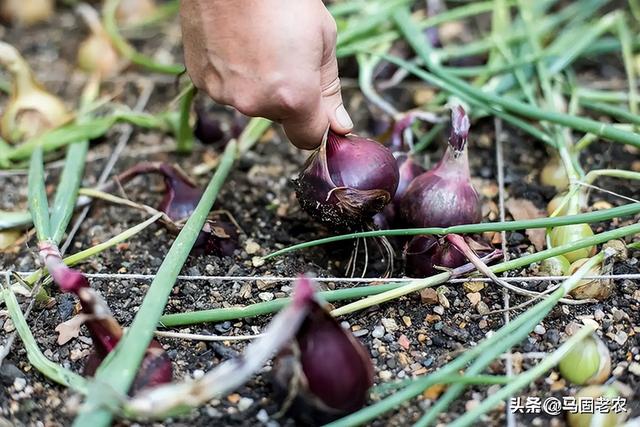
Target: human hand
[{"x": 269, "y": 58}]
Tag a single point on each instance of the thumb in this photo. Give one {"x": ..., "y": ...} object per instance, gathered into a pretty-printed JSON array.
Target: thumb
[{"x": 339, "y": 119}]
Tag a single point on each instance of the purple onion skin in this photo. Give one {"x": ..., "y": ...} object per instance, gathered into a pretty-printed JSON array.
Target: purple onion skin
[
  {"x": 347, "y": 181},
  {"x": 423, "y": 253},
  {"x": 408, "y": 170},
  {"x": 328, "y": 368},
  {"x": 181, "y": 195},
  {"x": 444, "y": 196},
  {"x": 217, "y": 238},
  {"x": 105, "y": 332},
  {"x": 208, "y": 129}
]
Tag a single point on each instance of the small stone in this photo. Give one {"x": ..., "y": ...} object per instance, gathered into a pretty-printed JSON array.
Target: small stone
[
  {"x": 360, "y": 333},
  {"x": 636, "y": 295},
  {"x": 473, "y": 286},
  {"x": 19, "y": 384},
  {"x": 257, "y": 261},
  {"x": 634, "y": 368},
  {"x": 429, "y": 296},
  {"x": 385, "y": 375},
  {"x": 432, "y": 318},
  {"x": 444, "y": 302},
  {"x": 378, "y": 332},
  {"x": 598, "y": 315},
  {"x": 482, "y": 324},
  {"x": 251, "y": 247},
  {"x": 407, "y": 321},
  {"x": 539, "y": 329},
  {"x": 244, "y": 403},
  {"x": 438, "y": 309},
  {"x": 621, "y": 337},
  {"x": 233, "y": 398},
  {"x": 404, "y": 342},
  {"x": 482, "y": 308},
  {"x": 197, "y": 374},
  {"x": 471, "y": 404},
  {"x": 390, "y": 325},
  {"x": 262, "y": 416},
  {"x": 266, "y": 296},
  {"x": 474, "y": 298}
]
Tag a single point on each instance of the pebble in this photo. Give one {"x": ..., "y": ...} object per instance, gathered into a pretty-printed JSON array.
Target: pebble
[
  {"x": 244, "y": 403},
  {"x": 621, "y": 337},
  {"x": 438, "y": 309},
  {"x": 404, "y": 342},
  {"x": 390, "y": 325},
  {"x": 19, "y": 384},
  {"x": 482, "y": 324},
  {"x": 553, "y": 336},
  {"x": 9, "y": 372},
  {"x": 251, "y": 247},
  {"x": 197, "y": 374},
  {"x": 598, "y": 315},
  {"x": 385, "y": 375},
  {"x": 360, "y": 333},
  {"x": 406, "y": 320},
  {"x": 474, "y": 297},
  {"x": 473, "y": 286},
  {"x": 539, "y": 329},
  {"x": 262, "y": 416},
  {"x": 266, "y": 296},
  {"x": 378, "y": 332},
  {"x": 223, "y": 327},
  {"x": 429, "y": 296},
  {"x": 257, "y": 261},
  {"x": 634, "y": 368},
  {"x": 482, "y": 308}
]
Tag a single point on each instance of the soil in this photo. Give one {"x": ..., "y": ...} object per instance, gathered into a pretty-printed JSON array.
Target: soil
[{"x": 259, "y": 195}]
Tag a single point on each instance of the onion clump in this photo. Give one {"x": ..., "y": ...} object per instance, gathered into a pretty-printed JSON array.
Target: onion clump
[
  {"x": 347, "y": 180},
  {"x": 31, "y": 110},
  {"x": 26, "y": 12},
  {"x": 96, "y": 53},
  {"x": 444, "y": 195}
]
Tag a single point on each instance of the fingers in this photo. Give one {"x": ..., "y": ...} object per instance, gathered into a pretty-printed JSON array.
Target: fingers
[
  {"x": 332, "y": 98},
  {"x": 307, "y": 126}
]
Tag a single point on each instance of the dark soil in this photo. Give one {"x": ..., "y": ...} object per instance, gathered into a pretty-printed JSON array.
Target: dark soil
[{"x": 259, "y": 195}]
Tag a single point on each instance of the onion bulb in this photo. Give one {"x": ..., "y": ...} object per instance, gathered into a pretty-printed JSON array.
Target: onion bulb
[
  {"x": 567, "y": 234},
  {"x": 424, "y": 253},
  {"x": 554, "y": 174},
  {"x": 97, "y": 54},
  {"x": 179, "y": 200},
  {"x": 31, "y": 110},
  {"x": 601, "y": 415},
  {"x": 444, "y": 196},
  {"x": 554, "y": 266},
  {"x": 26, "y": 12},
  {"x": 133, "y": 12},
  {"x": 347, "y": 180},
  {"x": 599, "y": 289},
  {"x": 325, "y": 373},
  {"x": 588, "y": 362}
]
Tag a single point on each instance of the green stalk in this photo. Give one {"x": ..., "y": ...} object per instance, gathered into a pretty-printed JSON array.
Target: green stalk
[
  {"x": 524, "y": 379},
  {"x": 626, "y": 42},
  {"x": 252, "y": 310},
  {"x": 616, "y": 112},
  {"x": 119, "y": 368},
  {"x": 184, "y": 136},
  {"x": 252, "y": 133},
  {"x": 51, "y": 370},
  {"x": 494, "y": 102},
  {"x": 17, "y": 219},
  {"x": 487, "y": 350},
  {"x": 64, "y": 202},
  {"x": 588, "y": 218},
  {"x": 126, "y": 50},
  {"x": 89, "y": 129},
  {"x": 99, "y": 248},
  {"x": 38, "y": 204}
]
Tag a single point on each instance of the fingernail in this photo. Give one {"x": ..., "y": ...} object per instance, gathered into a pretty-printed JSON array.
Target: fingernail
[{"x": 343, "y": 117}]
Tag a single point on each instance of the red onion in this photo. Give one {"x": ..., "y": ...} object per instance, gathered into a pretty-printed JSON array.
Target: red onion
[
  {"x": 347, "y": 181},
  {"x": 105, "y": 331},
  {"x": 181, "y": 196},
  {"x": 326, "y": 373},
  {"x": 444, "y": 196},
  {"x": 424, "y": 253}
]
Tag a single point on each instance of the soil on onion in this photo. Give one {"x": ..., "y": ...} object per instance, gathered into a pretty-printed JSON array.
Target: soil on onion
[{"x": 405, "y": 337}]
